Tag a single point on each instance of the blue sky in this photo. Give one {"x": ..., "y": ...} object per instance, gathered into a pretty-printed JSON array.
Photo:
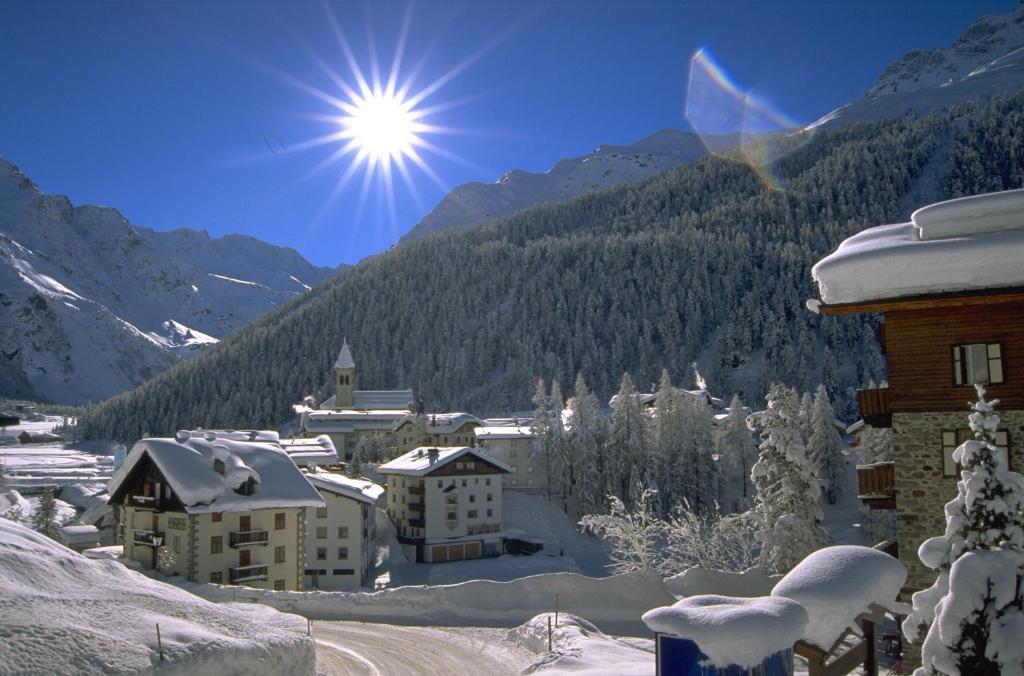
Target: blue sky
[{"x": 177, "y": 114}]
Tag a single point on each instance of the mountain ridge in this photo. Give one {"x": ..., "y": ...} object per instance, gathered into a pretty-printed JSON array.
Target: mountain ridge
[{"x": 91, "y": 304}]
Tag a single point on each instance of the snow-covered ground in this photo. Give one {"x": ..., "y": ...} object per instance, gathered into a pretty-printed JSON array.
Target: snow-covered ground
[
  {"x": 578, "y": 647},
  {"x": 63, "y": 613}
]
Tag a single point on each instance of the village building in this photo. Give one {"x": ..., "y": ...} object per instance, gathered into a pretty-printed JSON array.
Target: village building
[
  {"x": 349, "y": 415},
  {"x": 512, "y": 442},
  {"x": 340, "y": 535},
  {"x": 950, "y": 289},
  {"x": 309, "y": 452},
  {"x": 212, "y": 508},
  {"x": 435, "y": 429},
  {"x": 446, "y": 503}
]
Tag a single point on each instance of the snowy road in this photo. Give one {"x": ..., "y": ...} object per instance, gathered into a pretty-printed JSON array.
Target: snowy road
[{"x": 385, "y": 649}]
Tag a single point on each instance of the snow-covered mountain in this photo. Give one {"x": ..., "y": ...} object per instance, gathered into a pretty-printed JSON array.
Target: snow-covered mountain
[
  {"x": 986, "y": 59},
  {"x": 606, "y": 166},
  {"x": 91, "y": 305}
]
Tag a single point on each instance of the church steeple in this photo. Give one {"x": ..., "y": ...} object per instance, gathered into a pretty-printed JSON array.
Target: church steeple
[{"x": 344, "y": 377}]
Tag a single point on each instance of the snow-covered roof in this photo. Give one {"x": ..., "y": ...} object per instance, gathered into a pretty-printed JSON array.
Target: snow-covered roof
[
  {"x": 442, "y": 423},
  {"x": 729, "y": 630},
  {"x": 836, "y": 584},
  {"x": 967, "y": 244},
  {"x": 344, "y": 360},
  {"x": 269, "y": 436},
  {"x": 400, "y": 401},
  {"x": 423, "y": 460},
  {"x": 503, "y": 432},
  {"x": 306, "y": 451},
  {"x": 187, "y": 464},
  {"x": 363, "y": 490}
]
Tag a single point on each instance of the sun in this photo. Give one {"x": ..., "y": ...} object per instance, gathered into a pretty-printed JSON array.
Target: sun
[{"x": 382, "y": 126}]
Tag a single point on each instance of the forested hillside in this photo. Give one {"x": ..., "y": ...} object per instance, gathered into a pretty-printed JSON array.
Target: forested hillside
[{"x": 706, "y": 263}]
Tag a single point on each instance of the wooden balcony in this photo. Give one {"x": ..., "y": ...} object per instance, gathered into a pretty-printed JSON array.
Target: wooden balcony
[
  {"x": 416, "y": 507},
  {"x": 144, "y": 502},
  {"x": 253, "y": 573},
  {"x": 147, "y": 537},
  {"x": 247, "y": 538},
  {"x": 874, "y": 407},
  {"x": 876, "y": 485}
]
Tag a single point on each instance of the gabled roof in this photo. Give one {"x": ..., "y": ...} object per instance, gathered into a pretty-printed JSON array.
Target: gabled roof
[
  {"x": 344, "y": 360},
  {"x": 187, "y": 464},
  {"x": 504, "y": 432},
  {"x": 363, "y": 490},
  {"x": 418, "y": 461},
  {"x": 442, "y": 423}
]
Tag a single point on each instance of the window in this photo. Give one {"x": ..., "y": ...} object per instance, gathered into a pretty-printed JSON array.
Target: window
[
  {"x": 342, "y": 553},
  {"x": 490, "y": 512},
  {"x": 176, "y": 544},
  {"x": 471, "y": 465},
  {"x": 280, "y": 553},
  {"x": 321, "y": 553},
  {"x": 278, "y": 585},
  {"x": 977, "y": 363},
  {"x": 342, "y": 532},
  {"x": 217, "y": 544},
  {"x": 472, "y": 498},
  {"x": 279, "y": 521},
  {"x": 458, "y": 465},
  {"x": 463, "y": 483},
  {"x": 394, "y": 498},
  {"x": 217, "y": 577},
  {"x": 451, "y": 516},
  {"x": 217, "y": 517},
  {"x": 951, "y": 440},
  {"x": 218, "y": 466},
  {"x": 439, "y": 483},
  {"x": 321, "y": 532},
  {"x": 487, "y": 481},
  {"x": 471, "y": 514},
  {"x": 321, "y": 512},
  {"x": 176, "y": 523},
  {"x": 344, "y": 571}
]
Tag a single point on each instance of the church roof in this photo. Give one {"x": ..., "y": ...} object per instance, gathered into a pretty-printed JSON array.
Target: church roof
[{"x": 344, "y": 360}]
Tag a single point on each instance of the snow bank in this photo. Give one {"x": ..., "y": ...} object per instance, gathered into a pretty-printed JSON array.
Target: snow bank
[
  {"x": 578, "y": 647},
  {"x": 618, "y": 600},
  {"x": 697, "y": 581},
  {"x": 64, "y": 613},
  {"x": 732, "y": 630},
  {"x": 836, "y": 584},
  {"x": 961, "y": 245}
]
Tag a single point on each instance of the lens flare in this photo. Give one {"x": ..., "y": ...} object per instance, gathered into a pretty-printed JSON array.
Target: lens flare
[{"x": 734, "y": 122}]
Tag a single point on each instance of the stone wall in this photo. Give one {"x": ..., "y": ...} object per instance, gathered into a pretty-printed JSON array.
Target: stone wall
[{"x": 922, "y": 491}]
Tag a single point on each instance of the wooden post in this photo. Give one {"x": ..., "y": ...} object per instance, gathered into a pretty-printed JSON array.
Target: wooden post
[
  {"x": 871, "y": 657},
  {"x": 556, "y": 609},
  {"x": 159, "y": 643},
  {"x": 309, "y": 627},
  {"x": 549, "y": 634}
]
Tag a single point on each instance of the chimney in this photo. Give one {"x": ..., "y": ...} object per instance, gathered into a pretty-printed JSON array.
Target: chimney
[{"x": 433, "y": 453}]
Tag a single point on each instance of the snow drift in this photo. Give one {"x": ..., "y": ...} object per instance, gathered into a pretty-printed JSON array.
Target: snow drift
[
  {"x": 61, "y": 613},
  {"x": 578, "y": 647}
]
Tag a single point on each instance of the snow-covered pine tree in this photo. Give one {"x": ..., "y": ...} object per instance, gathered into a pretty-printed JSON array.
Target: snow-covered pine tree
[
  {"x": 874, "y": 444},
  {"x": 625, "y": 442},
  {"x": 974, "y": 613},
  {"x": 666, "y": 446},
  {"x": 806, "y": 411},
  {"x": 44, "y": 520},
  {"x": 585, "y": 442},
  {"x": 704, "y": 485},
  {"x": 787, "y": 490},
  {"x": 736, "y": 455},
  {"x": 541, "y": 428},
  {"x": 562, "y": 473},
  {"x": 826, "y": 446}
]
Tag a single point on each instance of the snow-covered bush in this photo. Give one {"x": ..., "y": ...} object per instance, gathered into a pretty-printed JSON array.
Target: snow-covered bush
[
  {"x": 44, "y": 520},
  {"x": 786, "y": 507},
  {"x": 635, "y": 537},
  {"x": 974, "y": 613}
]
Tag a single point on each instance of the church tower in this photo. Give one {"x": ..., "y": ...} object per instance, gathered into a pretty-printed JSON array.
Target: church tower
[{"x": 344, "y": 377}]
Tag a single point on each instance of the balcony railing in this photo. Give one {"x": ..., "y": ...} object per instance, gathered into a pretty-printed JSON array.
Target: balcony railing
[
  {"x": 876, "y": 485},
  {"x": 416, "y": 506},
  {"x": 147, "y": 537},
  {"x": 874, "y": 407},
  {"x": 416, "y": 490},
  {"x": 144, "y": 502},
  {"x": 257, "y": 571},
  {"x": 246, "y": 538},
  {"x": 417, "y": 523}
]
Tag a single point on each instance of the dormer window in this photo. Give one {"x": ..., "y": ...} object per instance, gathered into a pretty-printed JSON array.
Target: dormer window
[
  {"x": 247, "y": 487},
  {"x": 218, "y": 466},
  {"x": 978, "y": 363}
]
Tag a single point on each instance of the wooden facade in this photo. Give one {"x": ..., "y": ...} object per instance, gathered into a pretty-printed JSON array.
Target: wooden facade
[{"x": 919, "y": 349}]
